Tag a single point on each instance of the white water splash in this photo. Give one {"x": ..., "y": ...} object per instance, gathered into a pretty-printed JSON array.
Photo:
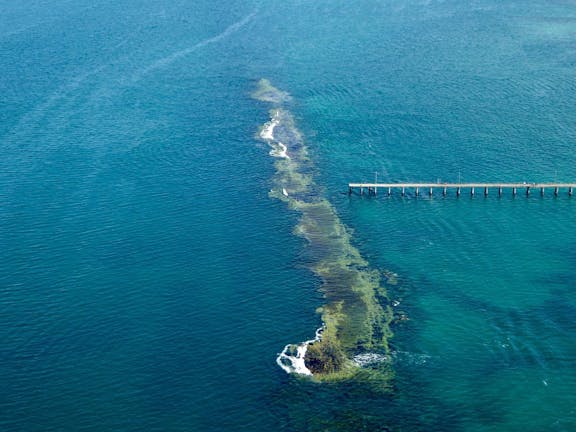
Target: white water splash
[
  {"x": 267, "y": 132},
  {"x": 291, "y": 359},
  {"x": 279, "y": 149},
  {"x": 367, "y": 359}
]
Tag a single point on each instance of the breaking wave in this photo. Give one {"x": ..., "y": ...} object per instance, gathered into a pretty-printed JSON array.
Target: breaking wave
[
  {"x": 291, "y": 359},
  {"x": 279, "y": 150}
]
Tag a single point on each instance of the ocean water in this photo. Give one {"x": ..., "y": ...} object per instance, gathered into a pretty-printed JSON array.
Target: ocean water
[{"x": 147, "y": 279}]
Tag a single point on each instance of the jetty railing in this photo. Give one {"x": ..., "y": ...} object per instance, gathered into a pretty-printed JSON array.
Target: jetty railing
[{"x": 372, "y": 188}]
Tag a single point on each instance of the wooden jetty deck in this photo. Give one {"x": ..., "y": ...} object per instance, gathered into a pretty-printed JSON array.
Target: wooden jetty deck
[{"x": 372, "y": 188}]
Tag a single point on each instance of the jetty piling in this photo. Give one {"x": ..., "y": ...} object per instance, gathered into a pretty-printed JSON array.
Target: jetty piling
[{"x": 416, "y": 187}]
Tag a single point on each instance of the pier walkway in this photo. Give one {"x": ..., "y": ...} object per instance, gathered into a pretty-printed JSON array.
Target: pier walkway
[{"x": 372, "y": 188}]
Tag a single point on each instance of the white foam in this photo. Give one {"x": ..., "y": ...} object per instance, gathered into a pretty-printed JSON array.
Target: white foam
[
  {"x": 279, "y": 150},
  {"x": 366, "y": 359},
  {"x": 294, "y": 363},
  {"x": 267, "y": 132}
]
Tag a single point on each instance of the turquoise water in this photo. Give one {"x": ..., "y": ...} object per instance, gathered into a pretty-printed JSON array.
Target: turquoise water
[{"x": 147, "y": 279}]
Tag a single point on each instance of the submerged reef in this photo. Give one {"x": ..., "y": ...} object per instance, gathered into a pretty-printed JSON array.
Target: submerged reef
[{"x": 356, "y": 317}]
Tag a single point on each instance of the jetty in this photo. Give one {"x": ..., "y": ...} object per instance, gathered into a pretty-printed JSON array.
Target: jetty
[{"x": 459, "y": 188}]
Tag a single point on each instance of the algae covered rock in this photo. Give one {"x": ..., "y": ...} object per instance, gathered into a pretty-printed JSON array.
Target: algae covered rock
[{"x": 325, "y": 357}]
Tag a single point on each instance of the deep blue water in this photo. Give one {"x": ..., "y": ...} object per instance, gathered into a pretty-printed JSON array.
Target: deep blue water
[{"x": 147, "y": 280}]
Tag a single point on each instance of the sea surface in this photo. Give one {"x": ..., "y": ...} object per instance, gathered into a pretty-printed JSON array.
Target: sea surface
[{"x": 148, "y": 280}]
